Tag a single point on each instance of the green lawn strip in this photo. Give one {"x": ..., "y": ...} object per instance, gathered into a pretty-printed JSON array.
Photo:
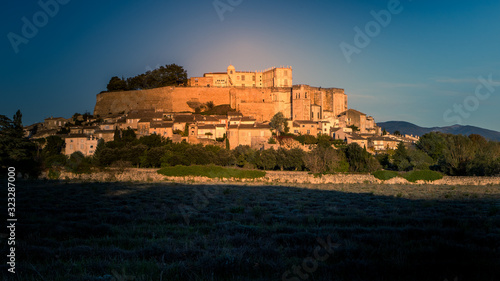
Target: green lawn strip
[
  {"x": 425, "y": 175},
  {"x": 412, "y": 176},
  {"x": 385, "y": 175},
  {"x": 210, "y": 171}
]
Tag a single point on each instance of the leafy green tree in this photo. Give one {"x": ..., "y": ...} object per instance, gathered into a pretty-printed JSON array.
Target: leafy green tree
[
  {"x": 244, "y": 155},
  {"x": 433, "y": 144},
  {"x": 152, "y": 157},
  {"x": 359, "y": 159},
  {"x": 116, "y": 84},
  {"x": 225, "y": 158},
  {"x": 266, "y": 159},
  {"x": 128, "y": 136},
  {"x": 458, "y": 152},
  {"x": 168, "y": 75},
  {"x": 324, "y": 159},
  {"x": 53, "y": 146},
  {"x": 278, "y": 123},
  {"x": 152, "y": 141},
  {"x": 78, "y": 163},
  {"x": 15, "y": 149},
  {"x": 400, "y": 159}
]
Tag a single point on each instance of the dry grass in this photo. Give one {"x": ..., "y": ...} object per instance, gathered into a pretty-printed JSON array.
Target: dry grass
[{"x": 136, "y": 231}]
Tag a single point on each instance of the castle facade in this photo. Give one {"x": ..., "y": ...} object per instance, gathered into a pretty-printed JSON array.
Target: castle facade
[{"x": 272, "y": 77}]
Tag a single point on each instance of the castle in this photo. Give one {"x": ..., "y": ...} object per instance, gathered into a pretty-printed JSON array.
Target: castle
[
  {"x": 259, "y": 94},
  {"x": 255, "y": 96},
  {"x": 272, "y": 77}
]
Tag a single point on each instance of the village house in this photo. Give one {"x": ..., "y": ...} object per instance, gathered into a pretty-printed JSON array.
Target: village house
[
  {"x": 255, "y": 135},
  {"x": 54, "y": 123},
  {"x": 164, "y": 129},
  {"x": 382, "y": 143},
  {"x": 106, "y": 135},
  {"x": 80, "y": 142},
  {"x": 355, "y": 138},
  {"x": 134, "y": 117},
  {"x": 305, "y": 127}
]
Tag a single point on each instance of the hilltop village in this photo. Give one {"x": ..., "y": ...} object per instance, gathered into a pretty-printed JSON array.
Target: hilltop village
[{"x": 233, "y": 105}]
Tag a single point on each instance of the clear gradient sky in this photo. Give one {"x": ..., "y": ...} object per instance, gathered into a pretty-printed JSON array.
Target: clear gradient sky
[{"x": 419, "y": 67}]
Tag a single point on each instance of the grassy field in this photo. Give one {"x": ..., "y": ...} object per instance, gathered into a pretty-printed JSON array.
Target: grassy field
[
  {"x": 120, "y": 231},
  {"x": 210, "y": 171}
]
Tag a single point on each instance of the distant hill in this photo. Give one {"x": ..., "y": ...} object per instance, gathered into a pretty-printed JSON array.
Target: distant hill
[{"x": 412, "y": 129}]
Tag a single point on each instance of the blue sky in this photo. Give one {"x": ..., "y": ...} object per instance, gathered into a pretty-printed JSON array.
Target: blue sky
[{"x": 424, "y": 66}]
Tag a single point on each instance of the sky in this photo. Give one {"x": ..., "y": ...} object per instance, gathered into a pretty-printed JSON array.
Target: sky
[{"x": 426, "y": 62}]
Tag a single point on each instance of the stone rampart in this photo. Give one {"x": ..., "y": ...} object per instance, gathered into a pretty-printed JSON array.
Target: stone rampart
[
  {"x": 275, "y": 177},
  {"x": 165, "y": 99}
]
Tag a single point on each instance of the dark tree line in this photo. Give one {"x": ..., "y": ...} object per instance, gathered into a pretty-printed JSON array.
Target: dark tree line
[
  {"x": 168, "y": 75},
  {"x": 454, "y": 155},
  {"x": 15, "y": 149}
]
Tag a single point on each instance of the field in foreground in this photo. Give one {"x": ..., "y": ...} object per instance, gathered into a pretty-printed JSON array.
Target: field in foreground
[{"x": 137, "y": 231}]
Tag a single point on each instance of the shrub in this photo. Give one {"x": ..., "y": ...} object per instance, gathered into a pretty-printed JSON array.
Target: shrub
[
  {"x": 384, "y": 175},
  {"x": 426, "y": 175},
  {"x": 54, "y": 174}
]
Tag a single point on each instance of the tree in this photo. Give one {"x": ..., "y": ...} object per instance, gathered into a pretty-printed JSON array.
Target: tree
[
  {"x": 354, "y": 128},
  {"x": 400, "y": 159},
  {"x": 325, "y": 160},
  {"x": 16, "y": 150},
  {"x": 278, "y": 123},
  {"x": 397, "y": 133},
  {"x": 210, "y": 105},
  {"x": 168, "y": 75},
  {"x": 359, "y": 159},
  {"x": 116, "y": 84}
]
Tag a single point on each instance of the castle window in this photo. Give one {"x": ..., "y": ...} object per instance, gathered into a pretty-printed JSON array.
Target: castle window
[
  {"x": 286, "y": 74},
  {"x": 231, "y": 72},
  {"x": 306, "y": 95},
  {"x": 242, "y": 77}
]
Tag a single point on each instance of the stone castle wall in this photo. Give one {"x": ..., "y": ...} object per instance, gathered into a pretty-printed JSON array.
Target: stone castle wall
[
  {"x": 165, "y": 99},
  {"x": 261, "y": 103}
]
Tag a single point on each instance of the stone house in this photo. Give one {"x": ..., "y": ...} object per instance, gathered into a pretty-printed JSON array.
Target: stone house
[
  {"x": 255, "y": 135},
  {"x": 54, "y": 123},
  {"x": 80, "y": 142},
  {"x": 164, "y": 129}
]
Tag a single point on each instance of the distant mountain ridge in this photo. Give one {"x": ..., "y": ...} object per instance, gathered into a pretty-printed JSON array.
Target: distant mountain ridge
[{"x": 412, "y": 129}]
